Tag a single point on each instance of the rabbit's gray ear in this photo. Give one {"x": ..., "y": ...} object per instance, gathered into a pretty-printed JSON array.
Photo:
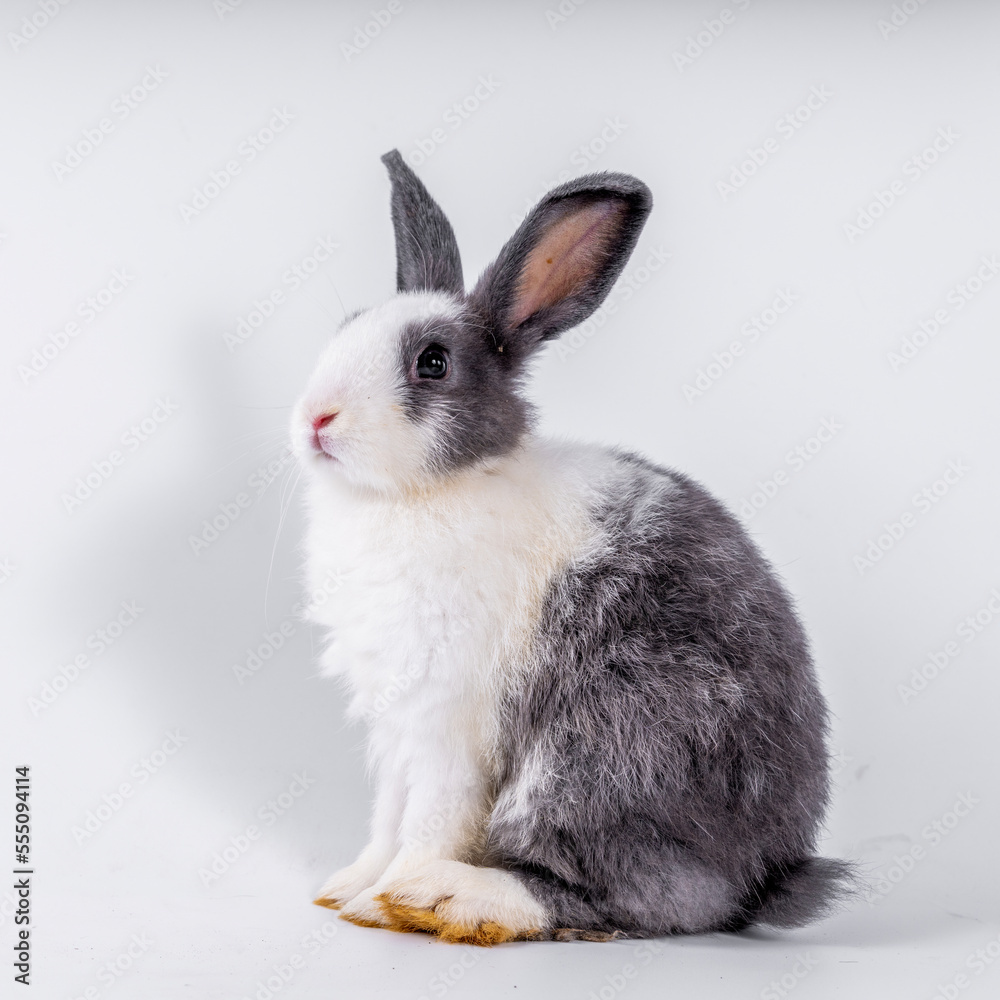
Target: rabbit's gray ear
[
  {"x": 427, "y": 257},
  {"x": 562, "y": 261}
]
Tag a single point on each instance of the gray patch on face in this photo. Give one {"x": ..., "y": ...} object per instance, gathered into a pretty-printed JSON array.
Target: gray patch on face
[
  {"x": 476, "y": 411},
  {"x": 677, "y": 718},
  {"x": 479, "y": 410}
]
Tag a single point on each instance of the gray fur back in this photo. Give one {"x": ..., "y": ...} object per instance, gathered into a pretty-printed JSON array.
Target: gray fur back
[{"x": 667, "y": 768}]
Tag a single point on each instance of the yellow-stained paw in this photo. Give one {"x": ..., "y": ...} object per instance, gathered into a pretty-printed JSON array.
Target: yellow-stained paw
[
  {"x": 330, "y": 904},
  {"x": 462, "y": 904},
  {"x": 364, "y": 911},
  {"x": 342, "y": 886},
  {"x": 485, "y": 934}
]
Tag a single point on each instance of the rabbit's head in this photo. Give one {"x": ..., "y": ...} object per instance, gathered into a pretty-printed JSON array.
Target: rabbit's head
[{"x": 412, "y": 391}]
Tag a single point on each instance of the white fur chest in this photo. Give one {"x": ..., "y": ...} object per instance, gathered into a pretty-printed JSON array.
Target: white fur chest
[{"x": 440, "y": 593}]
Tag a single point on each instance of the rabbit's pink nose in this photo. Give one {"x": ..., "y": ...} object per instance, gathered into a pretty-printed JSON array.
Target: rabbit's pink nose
[{"x": 321, "y": 422}]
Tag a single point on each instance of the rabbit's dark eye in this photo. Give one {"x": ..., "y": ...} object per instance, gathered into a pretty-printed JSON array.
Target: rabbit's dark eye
[{"x": 433, "y": 362}]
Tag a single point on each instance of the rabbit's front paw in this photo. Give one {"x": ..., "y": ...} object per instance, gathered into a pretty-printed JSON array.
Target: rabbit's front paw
[
  {"x": 363, "y": 910},
  {"x": 344, "y": 885},
  {"x": 463, "y": 904}
]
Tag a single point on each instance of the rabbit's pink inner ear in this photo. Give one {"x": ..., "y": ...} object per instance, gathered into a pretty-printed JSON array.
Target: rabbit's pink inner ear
[{"x": 568, "y": 256}]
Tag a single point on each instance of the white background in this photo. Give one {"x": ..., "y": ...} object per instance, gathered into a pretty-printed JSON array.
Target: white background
[{"x": 554, "y": 83}]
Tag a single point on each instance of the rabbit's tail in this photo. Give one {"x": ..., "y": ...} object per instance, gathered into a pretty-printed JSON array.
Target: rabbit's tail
[
  {"x": 794, "y": 894},
  {"x": 693, "y": 901}
]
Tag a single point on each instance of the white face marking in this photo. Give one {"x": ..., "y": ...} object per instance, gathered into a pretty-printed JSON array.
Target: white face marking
[{"x": 350, "y": 421}]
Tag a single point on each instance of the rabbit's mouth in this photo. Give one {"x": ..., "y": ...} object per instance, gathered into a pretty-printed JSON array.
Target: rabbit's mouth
[
  {"x": 320, "y": 437},
  {"x": 322, "y": 448}
]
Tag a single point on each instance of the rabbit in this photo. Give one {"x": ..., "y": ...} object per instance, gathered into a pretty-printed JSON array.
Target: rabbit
[{"x": 591, "y": 707}]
